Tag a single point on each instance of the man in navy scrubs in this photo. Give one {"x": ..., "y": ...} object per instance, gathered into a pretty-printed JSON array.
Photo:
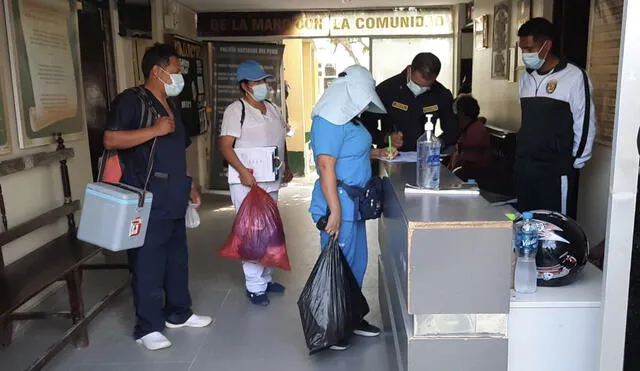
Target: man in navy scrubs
[{"x": 140, "y": 117}]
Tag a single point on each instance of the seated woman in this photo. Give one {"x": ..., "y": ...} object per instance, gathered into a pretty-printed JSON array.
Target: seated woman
[
  {"x": 473, "y": 152},
  {"x": 342, "y": 151}
]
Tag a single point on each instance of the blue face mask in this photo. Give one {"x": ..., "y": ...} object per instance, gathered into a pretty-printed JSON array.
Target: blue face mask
[
  {"x": 175, "y": 87},
  {"x": 260, "y": 92},
  {"x": 532, "y": 60}
]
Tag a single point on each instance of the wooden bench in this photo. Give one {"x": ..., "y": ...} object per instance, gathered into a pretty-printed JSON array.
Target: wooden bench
[{"x": 63, "y": 259}]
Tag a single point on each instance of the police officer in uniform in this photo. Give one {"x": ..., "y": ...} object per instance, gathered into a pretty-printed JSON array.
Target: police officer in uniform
[
  {"x": 558, "y": 124},
  {"x": 408, "y": 97}
]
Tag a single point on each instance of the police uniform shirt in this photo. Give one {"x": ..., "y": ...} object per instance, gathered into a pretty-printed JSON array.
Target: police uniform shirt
[
  {"x": 558, "y": 119},
  {"x": 407, "y": 113},
  {"x": 169, "y": 183}
]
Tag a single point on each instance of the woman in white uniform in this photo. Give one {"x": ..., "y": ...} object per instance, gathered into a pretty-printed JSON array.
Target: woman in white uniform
[{"x": 253, "y": 121}]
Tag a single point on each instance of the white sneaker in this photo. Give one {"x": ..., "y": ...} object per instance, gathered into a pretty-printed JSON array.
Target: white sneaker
[
  {"x": 193, "y": 321},
  {"x": 154, "y": 341}
]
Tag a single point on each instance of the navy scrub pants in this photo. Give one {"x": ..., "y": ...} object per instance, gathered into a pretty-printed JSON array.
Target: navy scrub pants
[{"x": 160, "y": 279}]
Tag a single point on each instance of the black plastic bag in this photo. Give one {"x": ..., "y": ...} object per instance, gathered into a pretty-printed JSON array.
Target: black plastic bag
[{"x": 331, "y": 304}]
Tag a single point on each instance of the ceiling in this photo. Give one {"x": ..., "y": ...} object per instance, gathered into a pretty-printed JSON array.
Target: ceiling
[{"x": 275, "y": 5}]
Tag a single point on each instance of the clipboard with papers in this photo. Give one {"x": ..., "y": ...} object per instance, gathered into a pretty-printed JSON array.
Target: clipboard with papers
[{"x": 263, "y": 161}]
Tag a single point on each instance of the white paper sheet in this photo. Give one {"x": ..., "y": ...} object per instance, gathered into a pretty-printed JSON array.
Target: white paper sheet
[
  {"x": 403, "y": 157},
  {"x": 260, "y": 160}
]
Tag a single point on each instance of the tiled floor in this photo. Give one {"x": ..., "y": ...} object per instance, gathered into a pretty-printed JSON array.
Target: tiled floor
[{"x": 244, "y": 337}]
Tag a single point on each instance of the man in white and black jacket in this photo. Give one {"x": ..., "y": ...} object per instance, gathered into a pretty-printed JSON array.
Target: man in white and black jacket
[{"x": 558, "y": 124}]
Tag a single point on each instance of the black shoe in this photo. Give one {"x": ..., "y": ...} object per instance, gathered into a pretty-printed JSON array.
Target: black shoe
[
  {"x": 275, "y": 287},
  {"x": 366, "y": 329},
  {"x": 258, "y": 299},
  {"x": 341, "y": 345}
]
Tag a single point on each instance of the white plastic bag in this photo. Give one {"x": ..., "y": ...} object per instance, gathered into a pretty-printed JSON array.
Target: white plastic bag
[{"x": 192, "y": 219}]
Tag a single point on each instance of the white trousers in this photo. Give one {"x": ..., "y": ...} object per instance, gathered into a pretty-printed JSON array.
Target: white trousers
[{"x": 256, "y": 276}]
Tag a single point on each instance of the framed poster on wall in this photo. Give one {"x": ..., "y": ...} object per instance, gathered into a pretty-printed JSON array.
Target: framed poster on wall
[
  {"x": 523, "y": 11},
  {"x": 45, "y": 65},
  {"x": 500, "y": 44},
  {"x": 5, "y": 89},
  {"x": 481, "y": 32}
]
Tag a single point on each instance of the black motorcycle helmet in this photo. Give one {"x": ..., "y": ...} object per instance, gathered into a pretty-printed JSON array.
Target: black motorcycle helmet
[{"x": 563, "y": 249}]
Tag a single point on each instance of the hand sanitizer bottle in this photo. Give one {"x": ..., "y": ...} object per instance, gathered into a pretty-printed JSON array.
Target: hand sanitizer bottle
[{"x": 428, "y": 162}]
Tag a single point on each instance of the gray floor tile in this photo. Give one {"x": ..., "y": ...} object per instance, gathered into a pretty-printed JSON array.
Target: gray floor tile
[
  {"x": 134, "y": 366},
  {"x": 112, "y": 342}
]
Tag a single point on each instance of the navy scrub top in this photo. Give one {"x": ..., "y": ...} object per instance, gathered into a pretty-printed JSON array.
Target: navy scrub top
[{"x": 169, "y": 183}]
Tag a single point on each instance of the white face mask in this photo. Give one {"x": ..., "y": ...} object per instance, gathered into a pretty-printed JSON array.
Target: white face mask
[
  {"x": 175, "y": 87},
  {"x": 416, "y": 89}
]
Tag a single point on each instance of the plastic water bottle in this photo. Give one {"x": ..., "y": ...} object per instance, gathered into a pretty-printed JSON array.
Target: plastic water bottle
[
  {"x": 428, "y": 164},
  {"x": 526, "y": 244}
]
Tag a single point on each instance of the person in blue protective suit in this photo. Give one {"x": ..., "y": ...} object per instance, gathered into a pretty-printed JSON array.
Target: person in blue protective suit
[
  {"x": 145, "y": 128},
  {"x": 342, "y": 151}
]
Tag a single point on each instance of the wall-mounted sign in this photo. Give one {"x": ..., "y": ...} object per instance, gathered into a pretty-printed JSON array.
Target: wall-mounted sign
[
  {"x": 192, "y": 99},
  {"x": 45, "y": 64},
  {"x": 327, "y": 24}
]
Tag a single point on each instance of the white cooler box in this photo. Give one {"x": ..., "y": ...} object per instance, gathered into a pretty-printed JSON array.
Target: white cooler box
[{"x": 112, "y": 217}]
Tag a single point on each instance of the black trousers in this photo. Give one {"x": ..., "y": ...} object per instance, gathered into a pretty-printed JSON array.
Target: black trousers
[
  {"x": 161, "y": 277},
  {"x": 550, "y": 190}
]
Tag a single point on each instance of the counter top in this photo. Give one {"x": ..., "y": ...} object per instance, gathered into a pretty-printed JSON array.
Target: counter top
[
  {"x": 585, "y": 292},
  {"x": 422, "y": 210}
]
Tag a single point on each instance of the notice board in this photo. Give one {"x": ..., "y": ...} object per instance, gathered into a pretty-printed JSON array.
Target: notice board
[{"x": 226, "y": 58}]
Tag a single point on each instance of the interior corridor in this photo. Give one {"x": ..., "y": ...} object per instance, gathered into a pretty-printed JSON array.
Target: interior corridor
[{"x": 243, "y": 337}]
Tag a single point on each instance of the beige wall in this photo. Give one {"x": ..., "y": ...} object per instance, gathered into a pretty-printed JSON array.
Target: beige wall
[
  {"x": 498, "y": 99},
  {"x": 301, "y": 72},
  {"x": 595, "y": 178},
  {"x": 33, "y": 192},
  {"x": 311, "y": 81},
  {"x": 594, "y": 194},
  {"x": 294, "y": 74}
]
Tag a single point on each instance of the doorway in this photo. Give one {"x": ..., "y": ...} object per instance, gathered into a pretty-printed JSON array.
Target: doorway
[
  {"x": 98, "y": 72},
  {"x": 311, "y": 65}
]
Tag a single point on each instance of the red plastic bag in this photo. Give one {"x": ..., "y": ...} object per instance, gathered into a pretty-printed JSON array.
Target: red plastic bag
[{"x": 257, "y": 233}]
